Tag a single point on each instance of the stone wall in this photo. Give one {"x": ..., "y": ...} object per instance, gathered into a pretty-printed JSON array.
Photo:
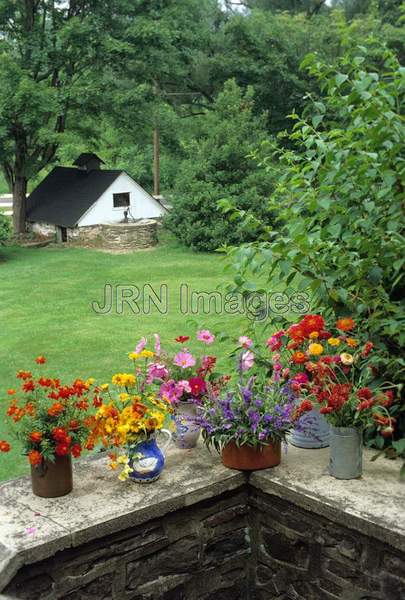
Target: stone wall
[
  {"x": 204, "y": 532},
  {"x": 299, "y": 555},
  {"x": 122, "y": 236},
  {"x": 42, "y": 230},
  {"x": 200, "y": 552}
]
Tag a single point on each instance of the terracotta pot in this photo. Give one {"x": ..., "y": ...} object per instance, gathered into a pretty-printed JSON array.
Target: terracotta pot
[
  {"x": 247, "y": 458},
  {"x": 52, "y": 479}
]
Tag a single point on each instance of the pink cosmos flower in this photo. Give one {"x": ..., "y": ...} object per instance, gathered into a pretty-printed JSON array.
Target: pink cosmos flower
[
  {"x": 184, "y": 359},
  {"x": 247, "y": 360},
  {"x": 285, "y": 372},
  {"x": 205, "y": 336},
  {"x": 170, "y": 391},
  {"x": 245, "y": 341},
  {"x": 157, "y": 344},
  {"x": 157, "y": 371},
  {"x": 141, "y": 345}
]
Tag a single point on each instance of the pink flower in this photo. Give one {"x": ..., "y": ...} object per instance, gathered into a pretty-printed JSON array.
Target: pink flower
[
  {"x": 197, "y": 386},
  {"x": 274, "y": 342},
  {"x": 184, "y": 360},
  {"x": 157, "y": 344},
  {"x": 247, "y": 360},
  {"x": 170, "y": 391},
  {"x": 140, "y": 345},
  {"x": 184, "y": 386},
  {"x": 275, "y": 358},
  {"x": 157, "y": 371},
  {"x": 205, "y": 336},
  {"x": 300, "y": 378},
  {"x": 245, "y": 341},
  {"x": 285, "y": 372}
]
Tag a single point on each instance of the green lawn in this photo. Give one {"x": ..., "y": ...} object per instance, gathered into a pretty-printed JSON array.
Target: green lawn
[{"x": 45, "y": 308}]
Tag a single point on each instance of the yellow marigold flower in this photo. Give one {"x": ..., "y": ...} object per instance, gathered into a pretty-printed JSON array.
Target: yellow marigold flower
[
  {"x": 123, "y": 459},
  {"x": 334, "y": 341},
  {"x": 133, "y": 355},
  {"x": 113, "y": 465},
  {"x": 315, "y": 349},
  {"x": 124, "y": 396},
  {"x": 147, "y": 353},
  {"x": 352, "y": 342},
  {"x": 90, "y": 381},
  {"x": 105, "y": 386},
  {"x": 314, "y": 335},
  {"x": 346, "y": 358}
]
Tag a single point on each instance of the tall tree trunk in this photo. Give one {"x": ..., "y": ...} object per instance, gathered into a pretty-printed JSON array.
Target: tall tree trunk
[{"x": 19, "y": 203}]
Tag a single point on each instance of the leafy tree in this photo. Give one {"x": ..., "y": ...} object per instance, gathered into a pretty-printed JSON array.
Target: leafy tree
[
  {"x": 48, "y": 51},
  {"x": 339, "y": 199},
  {"x": 218, "y": 165},
  {"x": 5, "y": 228}
]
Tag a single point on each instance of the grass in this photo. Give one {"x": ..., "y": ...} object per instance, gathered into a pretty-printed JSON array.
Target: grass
[{"x": 46, "y": 297}]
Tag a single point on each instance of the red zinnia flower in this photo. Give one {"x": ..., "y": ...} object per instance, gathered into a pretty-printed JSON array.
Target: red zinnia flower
[
  {"x": 364, "y": 393},
  {"x": 4, "y": 446},
  {"x": 368, "y": 346},
  {"x": 34, "y": 457},
  {"x": 197, "y": 386},
  {"x": 311, "y": 323},
  {"x": 345, "y": 324},
  {"x": 182, "y": 339},
  {"x": 40, "y": 360}
]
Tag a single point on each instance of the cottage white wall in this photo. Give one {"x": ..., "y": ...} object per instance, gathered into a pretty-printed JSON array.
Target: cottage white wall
[{"x": 142, "y": 206}]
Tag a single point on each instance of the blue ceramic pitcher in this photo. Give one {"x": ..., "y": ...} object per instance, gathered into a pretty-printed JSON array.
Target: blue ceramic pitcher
[{"x": 147, "y": 459}]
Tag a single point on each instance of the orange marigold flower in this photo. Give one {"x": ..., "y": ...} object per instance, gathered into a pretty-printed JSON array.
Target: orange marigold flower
[
  {"x": 56, "y": 409},
  {"x": 28, "y": 386},
  {"x": 40, "y": 360},
  {"x": 4, "y": 446},
  {"x": 345, "y": 324},
  {"x": 62, "y": 449},
  {"x": 76, "y": 450},
  {"x": 34, "y": 457},
  {"x": 11, "y": 392},
  {"x": 299, "y": 358},
  {"x": 24, "y": 375},
  {"x": 36, "y": 437}
]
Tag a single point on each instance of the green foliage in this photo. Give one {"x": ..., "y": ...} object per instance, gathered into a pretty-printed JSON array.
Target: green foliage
[
  {"x": 5, "y": 228},
  {"x": 339, "y": 199},
  {"x": 218, "y": 167}
]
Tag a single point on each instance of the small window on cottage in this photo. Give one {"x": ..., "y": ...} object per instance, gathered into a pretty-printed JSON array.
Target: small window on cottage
[{"x": 121, "y": 200}]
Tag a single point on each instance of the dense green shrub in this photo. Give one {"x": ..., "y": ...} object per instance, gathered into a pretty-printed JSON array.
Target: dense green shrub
[
  {"x": 218, "y": 166},
  {"x": 5, "y": 228},
  {"x": 339, "y": 201}
]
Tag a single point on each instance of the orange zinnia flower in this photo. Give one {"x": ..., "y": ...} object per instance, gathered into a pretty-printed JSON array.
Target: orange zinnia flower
[
  {"x": 299, "y": 357},
  {"x": 345, "y": 324}
]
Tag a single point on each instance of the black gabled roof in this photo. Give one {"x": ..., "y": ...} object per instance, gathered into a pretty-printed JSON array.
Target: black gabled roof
[
  {"x": 86, "y": 157},
  {"x": 66, "y": 194}
]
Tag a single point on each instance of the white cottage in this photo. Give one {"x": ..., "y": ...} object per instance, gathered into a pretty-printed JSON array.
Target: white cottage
[{"x": 75, "y": 202}]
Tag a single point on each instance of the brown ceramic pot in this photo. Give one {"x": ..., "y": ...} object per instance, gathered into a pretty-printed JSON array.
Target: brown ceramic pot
[
  {"x": 248, "y": 458},
  {"x": 52, "y": 479}
]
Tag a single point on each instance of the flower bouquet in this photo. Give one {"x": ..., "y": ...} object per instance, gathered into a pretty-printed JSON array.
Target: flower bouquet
[
  {"x": 248, "y": 422},
  {"x": 184, "y": 378},
  {"x": 52, "y": 423},
  {"x": 331, "y": 366},
  {"x": 129, "y": 417}
]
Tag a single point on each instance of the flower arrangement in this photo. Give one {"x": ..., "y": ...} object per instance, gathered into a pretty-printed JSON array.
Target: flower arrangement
[
  {"x": 50, "y": 419},
  {"x": 130, "y": 411},
  {"x": 256, "y": 411},
  {"x": 330, "y": 364}
]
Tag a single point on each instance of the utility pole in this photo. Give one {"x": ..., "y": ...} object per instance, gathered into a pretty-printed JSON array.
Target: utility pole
[{"x": 156, "y": 147}]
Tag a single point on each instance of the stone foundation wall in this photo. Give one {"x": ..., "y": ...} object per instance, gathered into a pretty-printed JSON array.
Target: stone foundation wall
[
  {"x": 131, "y": 236},
  {"x": 299, "y": 555},
  {"x": 43, "y": 230},
  {"x": 198, "y": 553}
]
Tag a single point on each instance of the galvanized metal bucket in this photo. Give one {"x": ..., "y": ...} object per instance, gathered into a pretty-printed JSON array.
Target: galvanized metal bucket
[
  {"x": 313, "y": 431},
  {"x": 346, "y": 452}
]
